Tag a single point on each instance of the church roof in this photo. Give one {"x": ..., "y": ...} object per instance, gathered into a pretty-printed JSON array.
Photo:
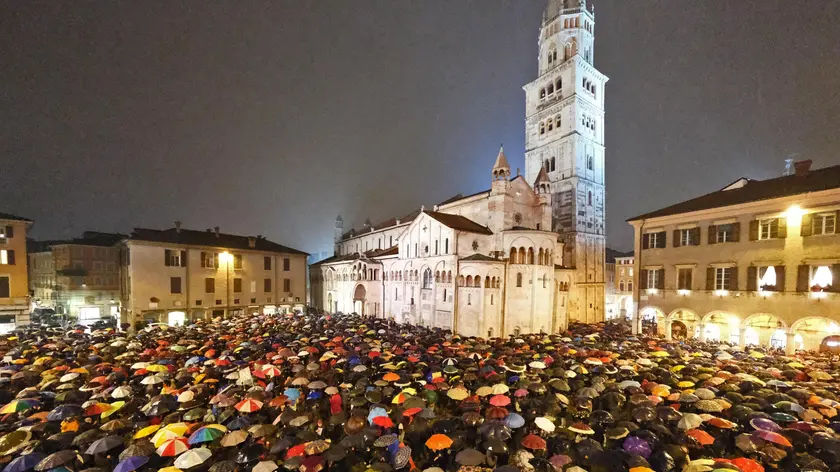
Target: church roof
[
  {"x": 351, "y": 233},
  {"x": 458, "y": 222},
  {"x": 354, "y": 256},
  {"x": 480, "y": 257},
  {"x": 755, "y": 190}
]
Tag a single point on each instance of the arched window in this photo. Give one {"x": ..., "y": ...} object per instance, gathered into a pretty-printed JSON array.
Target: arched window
[
  {"x": 531, "y": 255},
  {"x": 542, "y": 128},
  {"x": 557, "y": 121},
  {"x": 396, "y": 293},
  {"x": 542, "y": 93},
  {"x": 436, "y": 247},
  {"x": 550, "y": 124},
  {"x": 437, "y": 276},
  {"x": 519, "y": 279},
  {"x": 547, "y": 165},
  {"x": 469, "y": 281},
  {"x": 427, "y": 278},
  {"x": 449, "y": 277},
  {"x": 469, "y": 299},
  {"x": 558, "y": 85},
  {"x": 540, "y": 257},
  {"x": 548, "y": 259},
  {"x": 490, "y": 332},
  {"x": 553, "y": 160},
  {"x": 590, "y": 162},
  {"x": 590, "y": 198},
  {"x": 621, "y": 286},
  {"x": 487, "y": 282},
  {"x": 522, "y": 258},
  {"x": 554, "y": 55},
  {"x": 550, "y": 89},
  {"x": 629, "y": 286},
  {"x": 446, "y": 246},
  {"x": 477, "y": 281},
  {"x": 512, "y": 255},
  {"x": 460, "y": 280}
]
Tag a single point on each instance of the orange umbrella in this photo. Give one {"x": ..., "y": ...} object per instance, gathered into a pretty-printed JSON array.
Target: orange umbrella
[
  {"x": 390, "y": 377},
  {"x": 532, "y": 441},
  {"x": 249, "y": 405},
  {"x": 438, "y": 442},
  {"x": 701, "y": 436}
]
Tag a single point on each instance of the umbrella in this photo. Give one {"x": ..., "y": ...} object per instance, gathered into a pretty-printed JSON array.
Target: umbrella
[
  {"x": 234, "y": 438},
  {"x": 192, "y": 458},
  {"x": 57, "y": 459},
  {"x": 470, "y": 457},
  {"x": 131, "y": 463},
  {"x": 24, "y": 462},
  {"x": 173, "y": 447},
  {"x": 205, "y": 434},
  {"x": 438, "y": 441},
  {"x": 104, "y": 445},
  {"x": 533, "y": 442}
]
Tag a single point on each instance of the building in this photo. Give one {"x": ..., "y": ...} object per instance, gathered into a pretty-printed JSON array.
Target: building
[
  {"x": 485, "y": 264},
  {"x": 79, "y": 277},
  {"x": 525, "y": 255},
  {"x": 616, "y": 269},
  {"x": 177, "y": 275},
  {"x": 756, "y": 262},
  {"x": 14, "y": 283}
]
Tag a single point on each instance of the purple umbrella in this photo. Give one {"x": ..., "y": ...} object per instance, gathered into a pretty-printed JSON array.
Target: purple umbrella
[
  {"x": 638, "y": 446},
  {"x": 132, "y": 463},
  {"x": 765, "y": 424},
  {"x": 25, "y": 462}
]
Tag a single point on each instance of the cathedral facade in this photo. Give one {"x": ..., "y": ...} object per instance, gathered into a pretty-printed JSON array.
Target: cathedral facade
[{"x": 527, "y": 255}]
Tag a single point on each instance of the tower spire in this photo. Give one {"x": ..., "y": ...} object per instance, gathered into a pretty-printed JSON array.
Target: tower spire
[{"x": 501, "y": 169}]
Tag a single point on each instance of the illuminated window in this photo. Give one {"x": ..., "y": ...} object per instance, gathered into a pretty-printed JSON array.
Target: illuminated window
[
  {"x": 821, "y": 278},
  {"x": 621, "y": 286},
  {"x": 767, "y": 279},
  {"x": 684, "y": 279},
  {"x": 654, "y": 278}
]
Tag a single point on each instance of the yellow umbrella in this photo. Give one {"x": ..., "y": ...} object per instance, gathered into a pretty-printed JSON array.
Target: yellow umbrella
[
  {"x": 220, "y": 427},
  {"x": 179, "y": 428},
  {"x": 157, "y": 368},
  {"x": 163, "y": 435},
  {"x": 170, "y": 469},
  {"x": 147, "y": 431},
  {"x": 659, "y": 354},
  {"x": 114, "y": 407}
]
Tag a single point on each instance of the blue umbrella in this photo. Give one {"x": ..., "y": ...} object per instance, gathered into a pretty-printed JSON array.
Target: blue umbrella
[
  {"x": 240, "y": 422},
  {"x": 514, "y": 420},
  {"x": 24, "y": 462},
  {"x": 314, "y": 395},
  {"x": 132, "y": 463},
  {"x": 292, "y": 393}
]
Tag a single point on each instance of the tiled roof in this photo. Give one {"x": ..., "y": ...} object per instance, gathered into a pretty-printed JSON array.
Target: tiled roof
[
  {"x": 89, "y": 238},
  {"x": 209, "y": 238},
  {"x": 459, "y": 222},
  {"x": 480, "y": 257},
  {"x": 755, "y": 190},
  {"x": 352, "y": 232},
  {"x": 373, "y": 253},
  {"x": 611, "y": 254},
  {"x": 461, "y": 196},
  {"x": 7, "y": 216}
]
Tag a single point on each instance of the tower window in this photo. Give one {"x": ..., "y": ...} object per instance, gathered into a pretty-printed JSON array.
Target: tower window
[
  {"x": 550, "y": 124},
  {"x": 542, "y": 93},
  {"x": 559, "y": 85},
  {"x": 519, "y": 279},
  {"x": 590, "y": 164},
  {"x": 542, "y": 128},
  {"x": 550, "y": 89},
  {"x": 590, "y": 198}
]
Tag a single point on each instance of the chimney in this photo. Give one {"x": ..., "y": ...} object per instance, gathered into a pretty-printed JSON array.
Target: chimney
[
  {"x": 802, "y": 168},
  {"x": 252, "y": 242},
  {"x": 216, "y": 230},
  {"x": 177, "y": 226},
  {"x": 517, "y": 171},
  {"x": 788, "y": 166}
]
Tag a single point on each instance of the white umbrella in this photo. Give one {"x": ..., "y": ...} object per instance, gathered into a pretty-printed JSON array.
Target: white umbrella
[
  {"x": 265, "y": 466},
  {"x": 121, "y": 392},
  {"x": 192, "y": 458}
]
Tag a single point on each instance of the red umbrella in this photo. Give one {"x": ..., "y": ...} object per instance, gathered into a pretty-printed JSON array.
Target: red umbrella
[
  {"x": 412, "y": 411},
  {"x": 746, "y": 465},
  {"x": 298, "y": 450},
  {"x": 383, "y": 421},
  {"x": 532, "y": 441},
  {"x": 500, "y": 400},
  {"x": 701, "y": 436},
  {"x": 496, "y": 413}
]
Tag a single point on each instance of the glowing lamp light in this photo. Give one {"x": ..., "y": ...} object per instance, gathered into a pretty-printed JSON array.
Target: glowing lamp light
[
  {"x": 721, "y": 293},
  {"x": 794, "y": 215},
  {"x": 684, "y": 292},
  {"x": 652, "y": 291},
  {"x": 225, "y": 257}
]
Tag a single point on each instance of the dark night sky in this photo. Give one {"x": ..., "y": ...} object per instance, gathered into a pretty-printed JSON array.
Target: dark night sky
[{"x": 273, "y": 117}]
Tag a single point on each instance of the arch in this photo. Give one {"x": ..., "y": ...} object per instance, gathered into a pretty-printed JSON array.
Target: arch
[
  {"x": 558, "y": 85},
  {"x": 449, "y": 277},
  {"x": 522, "y": 257},
  {"x": 359, "y": 293},
  {"x": 437, "y": 276},
  {"x": 477, "y": 281},
  {"x": 540, "y": 259},
  {"x": 513, "y": 255},
  {"x": 550, "y": 124},
  {"x": 720, "y": 326},
  {"x": 542, "y": 93},
  {"x": 460, "y": 280},
  {"x": 487, "y": 282},
  {"x": 549, "y": 90},
  {"x": 531, "y": 255},
  {"x": 813, "y": 330},
  {"x": 764, "y": 320},
  {"x": 621, "y": 286},
  {"x": 469, "y": 281},
  {"x": 807, "y": 321}
]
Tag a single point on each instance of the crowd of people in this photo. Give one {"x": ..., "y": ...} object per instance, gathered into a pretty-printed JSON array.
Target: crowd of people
[{"x": 344, "y": 393}]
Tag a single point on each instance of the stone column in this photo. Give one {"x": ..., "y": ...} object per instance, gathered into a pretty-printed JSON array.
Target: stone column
[
  {"x": 790, "y": 344},
  {"x": 668, "y": 335},
  {"x": 702, "y": 335},
  {"x": 742, "y": 337}
]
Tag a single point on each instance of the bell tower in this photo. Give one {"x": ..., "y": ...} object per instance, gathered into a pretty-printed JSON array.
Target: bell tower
[{"x": 564, "y": 136}]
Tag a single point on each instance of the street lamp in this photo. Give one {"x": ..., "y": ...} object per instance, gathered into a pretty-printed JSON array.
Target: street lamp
[{"x": 227, "y": 259}]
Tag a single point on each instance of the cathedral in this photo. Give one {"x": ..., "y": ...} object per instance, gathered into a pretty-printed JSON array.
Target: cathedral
[{"x": 526, "y": 255}]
